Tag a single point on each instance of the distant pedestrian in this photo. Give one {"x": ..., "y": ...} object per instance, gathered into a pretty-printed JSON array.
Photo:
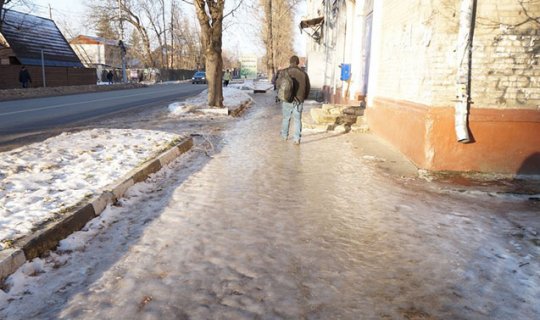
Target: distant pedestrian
[
  {"x": 295, "y": 83},
  {"x": 274, "y": 79},
  {"x": 226, "y": 78},
  {"x": 110, "y": 76},
  {"x": 274, "y": 82},
  {"x": 24, "y": 77}
]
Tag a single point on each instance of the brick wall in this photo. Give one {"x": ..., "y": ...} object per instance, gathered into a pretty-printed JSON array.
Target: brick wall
[
  {"x": 418, "y": 61},
  {"x": 55, "y": 76},
  {"x": 506, "y": 70}
]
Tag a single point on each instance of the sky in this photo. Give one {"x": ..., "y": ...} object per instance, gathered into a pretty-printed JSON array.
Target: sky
[{"x": 240, "y": 38}]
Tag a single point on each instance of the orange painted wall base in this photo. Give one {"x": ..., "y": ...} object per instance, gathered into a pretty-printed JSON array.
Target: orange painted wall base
[{"x": 504, "y": 140}]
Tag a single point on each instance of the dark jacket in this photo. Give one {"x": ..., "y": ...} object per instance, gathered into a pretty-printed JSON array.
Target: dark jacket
[
  {"x": 301, "y": 83},
  {"x": 24, "y": 76}
]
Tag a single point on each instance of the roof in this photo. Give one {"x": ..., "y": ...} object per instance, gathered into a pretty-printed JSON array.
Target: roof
[
  {"x": 314, "y": 25},
  {"x": 27, "y": 35},
  {"x": 82, "y": 39},
  {"x": 311, "y": 22}
]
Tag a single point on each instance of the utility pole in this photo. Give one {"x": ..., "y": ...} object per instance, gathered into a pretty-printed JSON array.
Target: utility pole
[
  {"x": 121, "y": 42},
  {"x": 50, "y": 11},
  {"x": 43, "y": 69}
]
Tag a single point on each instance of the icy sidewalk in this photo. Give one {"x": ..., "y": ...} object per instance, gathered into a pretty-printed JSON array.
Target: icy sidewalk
[{"x": 266, "y": 229}]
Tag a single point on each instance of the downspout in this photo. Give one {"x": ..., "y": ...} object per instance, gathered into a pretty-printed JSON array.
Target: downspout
[
  {"x": 463, "y": 79},
  {"x": 344, "y": 92}
]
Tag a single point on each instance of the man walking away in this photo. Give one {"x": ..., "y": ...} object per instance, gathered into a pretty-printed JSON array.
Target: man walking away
[
  {"x": 226, "y": 78},
  {"x": 24, "y": 77},
  {"x": 294, "y": 105}
]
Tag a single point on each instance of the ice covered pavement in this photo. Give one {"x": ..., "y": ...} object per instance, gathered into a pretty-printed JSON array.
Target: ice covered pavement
[{"x": 266, "y": 229}]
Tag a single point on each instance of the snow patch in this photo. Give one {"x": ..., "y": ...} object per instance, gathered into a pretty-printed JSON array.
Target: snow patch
[
  {"x": 42, "y": 180},
  {"x": 232, "y": 99}
]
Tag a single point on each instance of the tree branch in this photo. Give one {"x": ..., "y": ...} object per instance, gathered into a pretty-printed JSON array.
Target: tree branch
[
  {"x": 233, "y": 10},
  {"x": 530, "y": 18}
]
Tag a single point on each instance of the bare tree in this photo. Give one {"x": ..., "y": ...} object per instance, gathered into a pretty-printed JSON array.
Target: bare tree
[
  {"x": 155, "y": 15},
  {"x": 104, "y": 28},
  {"x": 185, "y": 37},
  {"x": 269, "y": 38},
  {"x": 210, "y": 15},
  {"x": 129, "y": 14},
  {"x": 278, "y": 32},
  {"x": 120, "y": 11},
  {"x": 137, "y": 51},
  {"x": 2, "y": 3}
]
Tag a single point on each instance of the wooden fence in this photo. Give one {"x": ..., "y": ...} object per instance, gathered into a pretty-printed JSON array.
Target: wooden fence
[{"x": 54, "y": 76}]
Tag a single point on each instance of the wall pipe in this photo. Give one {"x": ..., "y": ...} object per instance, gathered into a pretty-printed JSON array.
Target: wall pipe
[{"x": 467, "y": 18}]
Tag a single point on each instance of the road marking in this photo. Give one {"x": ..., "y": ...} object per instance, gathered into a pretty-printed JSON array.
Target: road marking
[{"x": 82, "y": 102}]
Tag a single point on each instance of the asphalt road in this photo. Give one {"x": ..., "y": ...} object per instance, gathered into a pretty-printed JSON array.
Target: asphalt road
[{"x": 31, "y": 115}]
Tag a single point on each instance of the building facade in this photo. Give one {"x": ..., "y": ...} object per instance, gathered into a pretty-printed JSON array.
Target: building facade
[
  {"x": 453, "y": 84},
  {"x": 248, "y": 66},
  {"x": 38, "y": 44},
  {"x": 95, "y": 52}
]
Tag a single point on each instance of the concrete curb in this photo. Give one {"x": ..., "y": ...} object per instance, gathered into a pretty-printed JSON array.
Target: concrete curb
[
  {"x": 50, "y": 234},
  {"x": 228, "y": 112}
]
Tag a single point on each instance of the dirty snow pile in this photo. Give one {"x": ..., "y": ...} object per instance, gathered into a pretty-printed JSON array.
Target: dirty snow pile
[
  {"x": 253, "y": 85},
  {"x": 232, "y": 98},
  {"x": 43, "y": 179},
  {"x": 245, "y": 85}
]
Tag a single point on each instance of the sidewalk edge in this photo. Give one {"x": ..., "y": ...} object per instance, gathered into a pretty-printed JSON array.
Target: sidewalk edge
[{"x": 36, "y": 244}]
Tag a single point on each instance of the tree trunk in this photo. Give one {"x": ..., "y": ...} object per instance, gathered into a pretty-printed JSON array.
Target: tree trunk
[
  {"x": 270, "y": 46},
  {"x": 214, "y": 70},
  {"x": 172, "y": 34},
  {"x": 211, "y": 22},
  {"x": 146, "y": 43}
]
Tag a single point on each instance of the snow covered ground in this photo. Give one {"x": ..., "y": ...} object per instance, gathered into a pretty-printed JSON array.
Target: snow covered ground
[
  {"x": 41, "y": 180},
  {"x": 249, "y": 84},
  {"x": 232, "y": 97}
]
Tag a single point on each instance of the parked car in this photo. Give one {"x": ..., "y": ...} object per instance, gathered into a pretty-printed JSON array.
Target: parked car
[{"x": 199, "y": 77}]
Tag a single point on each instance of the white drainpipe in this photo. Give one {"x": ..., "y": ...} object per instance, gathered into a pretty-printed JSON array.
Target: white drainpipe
[{"x": 463, "y": 54}]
